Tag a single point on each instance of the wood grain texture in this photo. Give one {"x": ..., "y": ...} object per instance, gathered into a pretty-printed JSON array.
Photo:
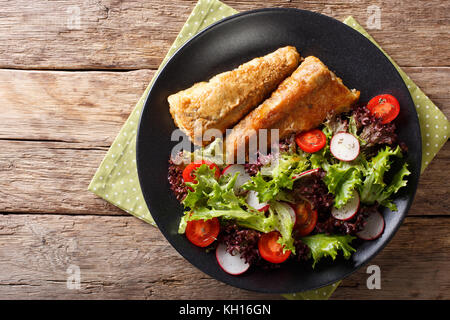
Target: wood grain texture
[
  {"x": 134, "y": 34},
  {"x": 56, "y": 127},
  {"x": 52, "y": 177},
  {"x": 412, "y": 264},
  {"x": 84, "y": 107},
  {"x": 121, "y": 258},
  {"x": 91, "y": 107}
]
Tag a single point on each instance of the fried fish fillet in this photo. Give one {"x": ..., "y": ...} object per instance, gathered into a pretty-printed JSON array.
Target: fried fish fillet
[
  {"x": 227, "y": 97},
  {"x": 300, "y": 103}
]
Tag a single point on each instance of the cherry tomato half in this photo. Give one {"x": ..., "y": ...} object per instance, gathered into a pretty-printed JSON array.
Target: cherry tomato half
[
  {"x": 384, "y": 106},
  {"x": 189, "y": 174},
  {"x": 306, "y": 219},
  {"x": 311, "y": 141},
  {"x": 270, "y": 249},
  {"x": 202, "y": 232}
]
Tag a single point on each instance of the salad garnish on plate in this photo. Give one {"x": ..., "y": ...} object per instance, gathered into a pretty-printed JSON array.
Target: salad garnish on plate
[{"x": 317, "y": 194}]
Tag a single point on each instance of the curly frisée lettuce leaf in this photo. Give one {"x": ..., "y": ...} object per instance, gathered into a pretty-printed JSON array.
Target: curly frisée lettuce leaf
[
  {"x": 209, "y": 198},
  {"x": 341, "y": 179},
  {"x": 374, "y": 189},
  {"x": 280, "y": 174},
  {"x": 323, "y": 158},
  {"x": 323, "y": 245},
  {"x": 362, "y": 175},
  {"x": 256, "y": 221},
  {"x": 380, "y": 164},
  {"x": 278, "y": 219},
  {"x": 284, "y": 225}
]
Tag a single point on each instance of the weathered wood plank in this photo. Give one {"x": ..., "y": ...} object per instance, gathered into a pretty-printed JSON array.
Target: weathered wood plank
[
  {"x": 78, "y": 114},
  {"x": 432, "y": 193},
  {"x": 91, "y": 107},
  {"x": 52, "y": 177},
  {"x": 433, "y": 82},
  {"x": 122, "y": 258},
  {"x": 87, "y": 107},
  {"x": 413, "y": 266},
  {"x": 119, "y": 257},
  {"x": 36, "y": 106},
  {"x": 133, "y": 34}
]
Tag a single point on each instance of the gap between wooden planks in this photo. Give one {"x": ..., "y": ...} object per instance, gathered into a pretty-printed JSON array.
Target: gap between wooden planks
[
  {"x": 52, "y": 177},
  {"x": 133, "y": 34},
  {"x": 53, "y": 137},
  {"x": 57, "y": 126},
  {"x": 121, "y": 258},
  {"x": 90, "y": 107},
  {"x": 47, "y": 158}
]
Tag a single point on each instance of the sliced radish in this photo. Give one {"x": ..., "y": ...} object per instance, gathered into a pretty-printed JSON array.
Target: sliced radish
[
  {"x": 242, "y": 178},
  {"x": 305, "y": 173},
  {"x": 373, "y": 228},
  {"x": 348, "y": 210},
  {"x": 290, "y": 209},
  {"x": 232, "y": 264},
  {"x": 344, "y": 146},
  {"x": 253, "y": 201}
]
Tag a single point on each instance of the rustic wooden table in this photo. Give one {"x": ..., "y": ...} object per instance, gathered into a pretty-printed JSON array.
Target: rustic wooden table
[{"x": 71, "y": 72}]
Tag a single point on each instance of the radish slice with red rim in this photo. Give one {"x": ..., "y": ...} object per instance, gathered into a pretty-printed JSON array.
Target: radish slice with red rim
[
  {"x": 344, "y": 146},
  {"x": 242, "y": 178},
  {"x": 232, "y": 264},
  {"x": 253, "y": 201},
  {"x": 348, "y": 210},
  {"x": 291, "y": 210},
  {"x": 373, "y": 228},
  {"x": 305, "y": 173}
]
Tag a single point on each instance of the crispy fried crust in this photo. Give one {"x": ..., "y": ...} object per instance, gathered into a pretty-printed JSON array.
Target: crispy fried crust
[
  {"x": 227, "y": 97},
  {"x": 300, "y": 103}
]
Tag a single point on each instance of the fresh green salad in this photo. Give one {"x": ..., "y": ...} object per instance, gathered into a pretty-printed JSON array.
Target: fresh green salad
[{"x": 318, "y": 196}]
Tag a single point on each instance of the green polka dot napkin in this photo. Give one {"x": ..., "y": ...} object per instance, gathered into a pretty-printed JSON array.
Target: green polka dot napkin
[{"x": 116, "y": 179}]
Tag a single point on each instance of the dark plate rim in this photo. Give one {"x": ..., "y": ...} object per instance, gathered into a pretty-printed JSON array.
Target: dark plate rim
[{"x": 357, "y": 34}]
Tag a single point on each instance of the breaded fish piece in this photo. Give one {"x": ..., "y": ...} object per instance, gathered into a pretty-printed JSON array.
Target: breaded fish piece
[
  {"x": 227, "y": 97},
  {"x": 300, "y": 103}
]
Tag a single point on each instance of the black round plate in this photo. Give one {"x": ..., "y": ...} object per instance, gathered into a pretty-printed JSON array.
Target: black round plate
[{"x": 224, "y": 46}]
